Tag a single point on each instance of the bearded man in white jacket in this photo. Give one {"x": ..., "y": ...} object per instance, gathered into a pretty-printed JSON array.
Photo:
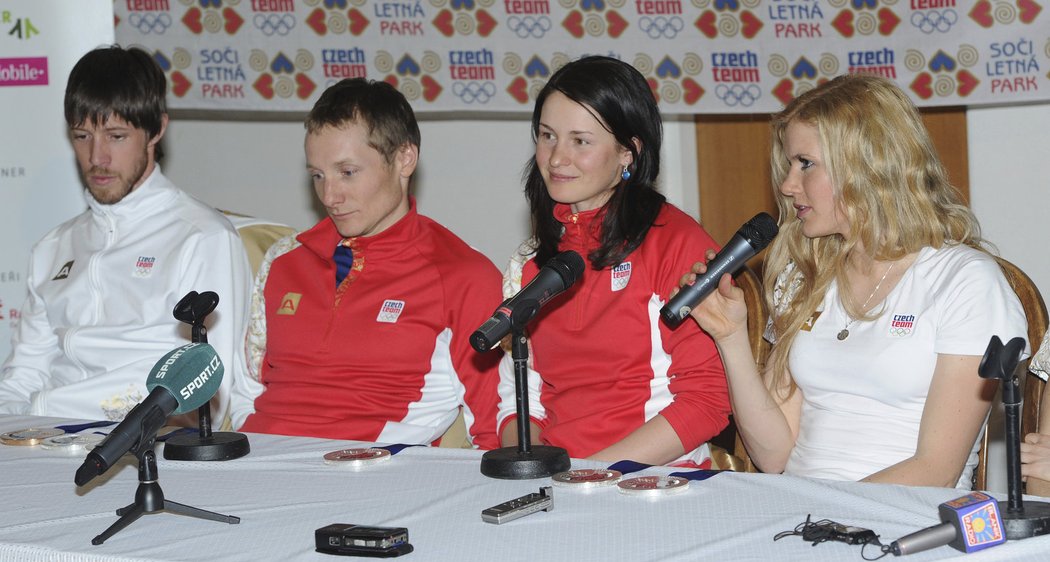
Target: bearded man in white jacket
[{"x": 102, "y": 286}]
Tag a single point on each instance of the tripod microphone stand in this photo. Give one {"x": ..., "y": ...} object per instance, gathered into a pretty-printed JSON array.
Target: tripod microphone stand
[
  {"x": 205, "y": 446},
  {"x": 1022, "y": 519},
  {"x": 526, "y": 460},
  {"x": 149, "y": 498}
]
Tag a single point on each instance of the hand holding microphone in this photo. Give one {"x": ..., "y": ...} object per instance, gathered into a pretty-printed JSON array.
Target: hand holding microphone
[
  {"x": 751, "y": 239},
  {"x": 723, "y": 311},
  {"x": 181, "y": 381}
]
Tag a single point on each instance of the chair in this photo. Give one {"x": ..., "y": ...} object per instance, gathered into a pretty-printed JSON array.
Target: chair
[
  {"x": 1035, "y": 312},
  {"x": 257, "y": 235},
  {"x": 757, "y": 314},
  {"x": 455, "y": 437}
]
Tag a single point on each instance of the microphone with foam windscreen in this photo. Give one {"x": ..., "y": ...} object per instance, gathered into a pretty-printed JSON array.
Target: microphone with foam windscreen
[
  {"x": 751, "y": 239},
  {"x": 970, "y": 523},
  {"x": 181, "y": 381},
  {"x": 557, "y": 275}
]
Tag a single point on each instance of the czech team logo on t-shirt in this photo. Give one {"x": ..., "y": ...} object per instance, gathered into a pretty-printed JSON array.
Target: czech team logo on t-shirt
[
  {"x": 621, "y": 275},
  {"x": 901, "y": 325},
  {"x": 390, "y": 311}
]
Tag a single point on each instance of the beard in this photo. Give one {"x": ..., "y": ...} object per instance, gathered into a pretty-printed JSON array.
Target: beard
[{"x": 120, "y": 186}]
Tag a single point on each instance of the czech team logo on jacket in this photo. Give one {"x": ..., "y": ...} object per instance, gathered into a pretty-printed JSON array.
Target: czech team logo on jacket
[
  {"x": 390, "y": 311},
  {"x": 621, "y": 275},
  {"x": 144, "y": 266}
]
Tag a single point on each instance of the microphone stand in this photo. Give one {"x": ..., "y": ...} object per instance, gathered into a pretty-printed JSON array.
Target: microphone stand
[
  {"x": 149, "y": 498},
  {"x": 1022, "y": 518},
  {"x": 526, "y": 460},
  {"x": 205, "y": 446}
]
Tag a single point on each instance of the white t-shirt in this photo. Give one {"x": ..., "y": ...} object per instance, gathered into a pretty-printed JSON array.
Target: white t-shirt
[{"x": 863, "y": 397}]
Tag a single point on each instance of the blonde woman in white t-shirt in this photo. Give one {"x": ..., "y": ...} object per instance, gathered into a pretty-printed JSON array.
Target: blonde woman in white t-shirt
[{"x": 883, "y": 301}]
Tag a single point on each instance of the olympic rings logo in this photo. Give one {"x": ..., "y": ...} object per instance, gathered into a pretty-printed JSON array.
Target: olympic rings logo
[
  {"x": 660, "y": 26},
  {"x": 738, "y": 94},
  {"x": 150, "y": 23},
  {"x": 529, "y": 26},
  {"x": 470, "y": 92},
  {"x": 934, "y": 20},
  {"x": 274, "y": 23},
  {"x": 899, "y": 332}
]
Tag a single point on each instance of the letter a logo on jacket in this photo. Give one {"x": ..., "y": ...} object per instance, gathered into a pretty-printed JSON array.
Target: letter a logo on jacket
[
  {"x": 289, "y": 303},
  {"x": 64, "y": 272}
]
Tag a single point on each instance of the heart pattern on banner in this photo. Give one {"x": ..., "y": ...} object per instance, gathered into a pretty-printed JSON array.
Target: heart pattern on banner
[{"x": 506, "y": 51}]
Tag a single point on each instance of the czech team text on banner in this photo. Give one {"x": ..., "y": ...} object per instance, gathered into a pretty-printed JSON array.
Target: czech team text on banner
[{"x": 700, "y": 56}]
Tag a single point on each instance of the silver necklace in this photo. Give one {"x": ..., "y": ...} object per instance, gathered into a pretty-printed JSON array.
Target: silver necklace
[{"x": 844, "y": 333}]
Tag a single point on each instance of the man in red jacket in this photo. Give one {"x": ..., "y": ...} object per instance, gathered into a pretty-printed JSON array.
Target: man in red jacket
[{"x": 360, "y": 326}]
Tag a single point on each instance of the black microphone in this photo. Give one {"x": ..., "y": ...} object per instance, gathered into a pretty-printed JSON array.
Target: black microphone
[
  {"x": 558, "y": 274},
  {"x": 751, "y": 239},
  {"x": 183, "y": 380}
]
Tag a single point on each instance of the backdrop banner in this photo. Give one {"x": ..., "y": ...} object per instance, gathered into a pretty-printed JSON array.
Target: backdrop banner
[
  {"x": 700, "y": 56},
  {"x": 40, "y": 41}
]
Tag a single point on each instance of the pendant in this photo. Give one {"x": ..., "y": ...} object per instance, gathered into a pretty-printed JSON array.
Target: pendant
[{"x": 843, "y": 334}]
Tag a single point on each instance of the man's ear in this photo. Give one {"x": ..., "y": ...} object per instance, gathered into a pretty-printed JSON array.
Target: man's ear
[
  {"x": 406, "y": 159},
  {"x": 163, "y": 127}
]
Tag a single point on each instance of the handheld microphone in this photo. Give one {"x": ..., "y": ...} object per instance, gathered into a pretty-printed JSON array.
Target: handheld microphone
[
  {"x": 557, "y": 275},
  {"x": 181, "y": 381},
  {"x": 970, "y": 523},
  {"x": 751, "y": 239}
]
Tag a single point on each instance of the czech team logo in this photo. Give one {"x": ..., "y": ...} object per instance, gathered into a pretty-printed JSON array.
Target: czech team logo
[
  {"x": 621, "y": 275},
  {"x": 901, "y": 325},
  {"x": 390, "y": 311},
  {"x": 144, "y": 266},
  {"x": 528, "y": 19}
]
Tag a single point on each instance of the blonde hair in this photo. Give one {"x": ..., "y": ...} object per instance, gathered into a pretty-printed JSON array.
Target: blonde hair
[{"x": 889, "y": 181}]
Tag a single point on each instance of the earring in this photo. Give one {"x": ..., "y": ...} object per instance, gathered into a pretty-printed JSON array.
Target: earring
[{"x": 626, "y": 175}]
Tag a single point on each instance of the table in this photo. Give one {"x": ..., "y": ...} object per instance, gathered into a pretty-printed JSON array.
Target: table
[{"x": 283, "y": 491}]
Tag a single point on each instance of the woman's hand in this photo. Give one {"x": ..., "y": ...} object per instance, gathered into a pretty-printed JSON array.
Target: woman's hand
[
  {"x": 1035, "y": 456},
  {"x": 722, "y": 313}
]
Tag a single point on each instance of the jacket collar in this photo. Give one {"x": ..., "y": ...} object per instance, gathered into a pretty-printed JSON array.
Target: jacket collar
[
  {"x": 323, "y": 237},
  {"x": 154, "y": 195}
]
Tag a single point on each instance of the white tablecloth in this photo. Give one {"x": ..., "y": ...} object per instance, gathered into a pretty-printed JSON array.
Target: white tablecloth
[{"x": 283, "y": 491}]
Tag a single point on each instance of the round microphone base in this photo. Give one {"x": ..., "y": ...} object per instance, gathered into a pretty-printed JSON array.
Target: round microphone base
[
  {"x": 509, "y": 463},
  {"x": 1032, "y": 520},
  {"x": 221, "y": 446}
]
